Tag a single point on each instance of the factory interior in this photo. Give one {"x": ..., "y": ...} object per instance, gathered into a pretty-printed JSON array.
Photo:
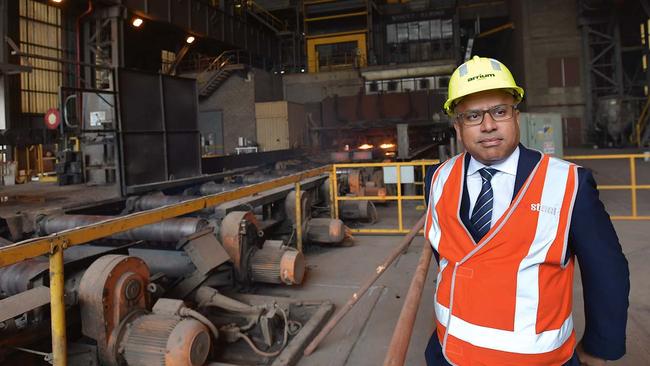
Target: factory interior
[{"x": 242, "y": 182}]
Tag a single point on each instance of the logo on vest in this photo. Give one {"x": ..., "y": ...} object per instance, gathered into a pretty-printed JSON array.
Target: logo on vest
[{"x": 545, "y": 209}]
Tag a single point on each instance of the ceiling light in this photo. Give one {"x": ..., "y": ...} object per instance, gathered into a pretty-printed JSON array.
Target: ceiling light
[
  {"x": 137, "y": 22},
  {"x": 387, "y": 146},
  {"x": 282, "y": 72},
  {"x": 57, "y": 1},
  {"x": 365, "y": 147},
  {"x": 190, "y": 39}
]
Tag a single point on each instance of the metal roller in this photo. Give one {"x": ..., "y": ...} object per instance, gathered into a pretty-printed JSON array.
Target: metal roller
[
  {"x": 325, "y": 230},
  {"x": 213, "y": 188},
  {"x": 152, "y": 201},
  {"x": 166, "y": 231},
  {"x": 357, "y": 210}
]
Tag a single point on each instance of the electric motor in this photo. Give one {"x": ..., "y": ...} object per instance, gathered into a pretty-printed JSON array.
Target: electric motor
[
  {"x": 275, "y": 263},
  {"x": 165, "y": 340}
]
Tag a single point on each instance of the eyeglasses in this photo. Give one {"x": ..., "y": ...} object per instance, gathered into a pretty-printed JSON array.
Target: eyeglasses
[{"x": 474, "y": 117}]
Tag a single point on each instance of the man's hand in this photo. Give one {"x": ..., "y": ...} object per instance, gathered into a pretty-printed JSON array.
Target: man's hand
[{"x": 587, "y": 359}]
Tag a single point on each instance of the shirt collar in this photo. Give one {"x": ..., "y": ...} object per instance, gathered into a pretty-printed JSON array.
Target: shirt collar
[{"x": 508, "y": 166}]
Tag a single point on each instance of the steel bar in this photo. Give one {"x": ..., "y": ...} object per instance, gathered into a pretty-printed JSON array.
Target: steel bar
[
  {"x": 399, "y": 343},
  {"x": 406, "y": 241},
  {"x": 57, "y": 304}
]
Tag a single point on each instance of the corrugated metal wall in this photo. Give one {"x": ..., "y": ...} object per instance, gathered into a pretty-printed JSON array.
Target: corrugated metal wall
[{"x": 40, "y": 34}]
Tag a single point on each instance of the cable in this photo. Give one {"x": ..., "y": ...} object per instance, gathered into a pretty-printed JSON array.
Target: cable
[
  {"x": 243, "y": 336},
  {"x": 198, "y": 316}
]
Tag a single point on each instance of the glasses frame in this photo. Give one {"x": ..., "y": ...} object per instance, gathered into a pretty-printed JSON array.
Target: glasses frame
[{"x": 459, "y": 116}]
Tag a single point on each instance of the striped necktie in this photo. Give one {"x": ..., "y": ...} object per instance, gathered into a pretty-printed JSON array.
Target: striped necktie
[{"x": 482, "y": 212}]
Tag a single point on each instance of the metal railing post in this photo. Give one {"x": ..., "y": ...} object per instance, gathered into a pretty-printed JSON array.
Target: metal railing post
[
  {"x": 633, "y": 185},
  {"x": 335, "y": 192},
  {"x": 57, "y": 304},
  {"x": 332, "y": 197},
  {"x": 298, "y": 217},
  {"x": 399, "y": 198}
]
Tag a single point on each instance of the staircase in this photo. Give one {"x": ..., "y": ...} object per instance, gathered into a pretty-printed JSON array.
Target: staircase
[{"x": 217, "y": 72}]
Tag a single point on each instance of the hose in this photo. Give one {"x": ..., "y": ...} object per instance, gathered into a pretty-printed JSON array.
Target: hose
[
  {"x": 246, "y": 339},
  {"x": 200, "y": 317}
]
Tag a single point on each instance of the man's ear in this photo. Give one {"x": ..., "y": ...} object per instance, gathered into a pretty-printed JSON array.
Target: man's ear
[
  {"x": 458, "y": 128},
  {"x": 517, "y": 115}
]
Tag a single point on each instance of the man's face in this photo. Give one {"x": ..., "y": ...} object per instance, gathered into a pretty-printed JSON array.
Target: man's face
[{"x": 490, "y": 141}]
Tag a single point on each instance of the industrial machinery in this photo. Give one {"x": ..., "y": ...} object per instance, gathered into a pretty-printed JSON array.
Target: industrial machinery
[
  {"x": 171, "y": 293},
  {"x": 123, "y": 319}
]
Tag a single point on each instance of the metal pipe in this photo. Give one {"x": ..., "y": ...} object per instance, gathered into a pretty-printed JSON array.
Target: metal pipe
[
  {"x": 57, "y": 305},
  {"x": 167, "y": 231},
  {"x": 406, "y": 241},
  {"x": 399, "y": 344}
]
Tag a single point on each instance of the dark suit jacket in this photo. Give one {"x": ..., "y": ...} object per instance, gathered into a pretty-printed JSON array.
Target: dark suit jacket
[{"x": 603, "y": 267}]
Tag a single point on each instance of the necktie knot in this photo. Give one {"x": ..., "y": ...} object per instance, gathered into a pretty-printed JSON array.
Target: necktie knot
[{"x": 487, "y": 173}]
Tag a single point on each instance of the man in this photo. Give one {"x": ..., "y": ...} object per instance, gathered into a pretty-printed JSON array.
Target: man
[{"x": 506, "y": 224}]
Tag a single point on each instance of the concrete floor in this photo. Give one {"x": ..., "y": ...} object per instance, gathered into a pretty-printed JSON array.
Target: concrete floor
[{"x": 363, "y": 336}]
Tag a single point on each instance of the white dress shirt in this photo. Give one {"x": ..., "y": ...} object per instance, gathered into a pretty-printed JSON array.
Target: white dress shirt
[{"x": 503, "y": 184}]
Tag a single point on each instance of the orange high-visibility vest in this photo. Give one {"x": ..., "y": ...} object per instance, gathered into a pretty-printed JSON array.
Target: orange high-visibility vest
[{"x": 507, "y": 299}]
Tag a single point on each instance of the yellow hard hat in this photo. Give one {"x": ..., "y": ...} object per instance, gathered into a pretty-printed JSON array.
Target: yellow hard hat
[{"x": 480, "y": 74}]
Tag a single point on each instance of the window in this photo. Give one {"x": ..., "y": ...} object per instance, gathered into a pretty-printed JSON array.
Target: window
[
  {"x": 419, "y": 31},
  {"x": 167, "y": 60},
  {"x": 40, "y": 34}
]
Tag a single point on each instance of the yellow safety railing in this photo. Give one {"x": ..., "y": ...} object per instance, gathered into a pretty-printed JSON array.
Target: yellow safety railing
[
  {"x": 422, "y": 164},
  {"x": 633, "y": 186},
  {"x": 54, "y": 245}
]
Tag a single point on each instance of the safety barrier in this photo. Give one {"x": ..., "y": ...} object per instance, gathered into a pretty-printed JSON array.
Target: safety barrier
[
  {"x": 633, "y": 186},
  {"x": 422, "y": 164}
]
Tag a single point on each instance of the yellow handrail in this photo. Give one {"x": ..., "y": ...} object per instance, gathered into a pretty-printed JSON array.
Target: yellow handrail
[
  {"x": 398, "y": 197},
  {"x": 633, "y": 186}
]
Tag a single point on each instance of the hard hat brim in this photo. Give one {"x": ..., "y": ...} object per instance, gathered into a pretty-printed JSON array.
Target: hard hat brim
[{"x": 516, "y": 91}]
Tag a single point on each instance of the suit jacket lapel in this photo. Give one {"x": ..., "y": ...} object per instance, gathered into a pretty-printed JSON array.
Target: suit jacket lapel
[{"x": 528, "y": 159}]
